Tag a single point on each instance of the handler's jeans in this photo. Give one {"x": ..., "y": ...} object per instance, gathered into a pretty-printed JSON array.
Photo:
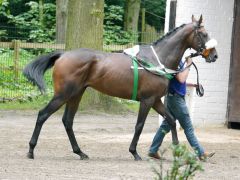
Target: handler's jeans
[{"x": 177, "y": 107}]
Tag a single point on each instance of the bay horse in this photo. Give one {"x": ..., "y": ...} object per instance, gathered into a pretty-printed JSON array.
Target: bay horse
[{"x": 111, "y": 74}]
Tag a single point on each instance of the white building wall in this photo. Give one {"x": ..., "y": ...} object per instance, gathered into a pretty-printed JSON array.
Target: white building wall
[{"x": 218, "y": 21}]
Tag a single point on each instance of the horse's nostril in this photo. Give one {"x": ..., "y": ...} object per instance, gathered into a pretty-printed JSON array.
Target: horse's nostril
[{"x": 216, "y": 56}]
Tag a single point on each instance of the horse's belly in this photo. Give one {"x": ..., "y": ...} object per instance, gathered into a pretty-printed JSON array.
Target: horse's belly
[
  {"x": 122, "y": 85},
  {"x": 114, "y": 87}
]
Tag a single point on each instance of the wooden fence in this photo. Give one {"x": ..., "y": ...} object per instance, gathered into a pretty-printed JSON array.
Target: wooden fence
[
  {"x": 13, "y": 85},
  {"x": 16, "y": 45}
]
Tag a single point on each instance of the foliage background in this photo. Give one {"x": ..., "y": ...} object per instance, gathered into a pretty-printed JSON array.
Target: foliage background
[{"x": 21, "y": 20}]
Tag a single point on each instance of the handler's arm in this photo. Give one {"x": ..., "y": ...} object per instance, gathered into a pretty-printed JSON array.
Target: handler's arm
[{"x": 182, "y": 76}]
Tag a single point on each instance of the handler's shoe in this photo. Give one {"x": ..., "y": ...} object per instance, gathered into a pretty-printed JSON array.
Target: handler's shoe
[
  {"x": 206, "y": 156},
  {"x": 154, "y": 155}
]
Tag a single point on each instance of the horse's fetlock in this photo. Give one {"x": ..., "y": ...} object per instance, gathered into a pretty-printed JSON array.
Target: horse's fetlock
[
  {"x": 31, "y": 145},
  {"x": 132, "y": 151},
  {"x": 77, "y": 151}
]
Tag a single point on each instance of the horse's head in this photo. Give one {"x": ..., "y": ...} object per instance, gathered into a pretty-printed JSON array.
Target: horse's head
[{"x": 200, "y": 41}]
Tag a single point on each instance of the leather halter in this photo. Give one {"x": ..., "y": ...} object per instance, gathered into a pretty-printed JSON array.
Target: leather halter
[
  {"x": 201, "y": 47},
  {"x": 201, "y": 44}
]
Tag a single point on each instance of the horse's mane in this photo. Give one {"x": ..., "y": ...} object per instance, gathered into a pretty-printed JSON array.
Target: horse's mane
[{"x": 172, "y": 32}]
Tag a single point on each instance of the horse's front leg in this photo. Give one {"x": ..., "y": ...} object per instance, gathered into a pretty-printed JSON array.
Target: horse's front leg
[
  {"x": 144, "y": 108},
  {"x": 160, "y": 108}
]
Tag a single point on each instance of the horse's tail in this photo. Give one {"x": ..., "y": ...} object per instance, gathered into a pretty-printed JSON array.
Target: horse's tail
[{"x": 35, "y": 70}]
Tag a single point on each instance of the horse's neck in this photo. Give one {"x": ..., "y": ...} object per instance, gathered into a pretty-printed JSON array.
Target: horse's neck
[
  {"x": 171, "y": 56},
  {"x": 171, "y": 50}
]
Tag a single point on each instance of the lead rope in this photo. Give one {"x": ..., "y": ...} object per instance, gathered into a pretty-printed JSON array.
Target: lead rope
[{"x": 199, "y": 87}]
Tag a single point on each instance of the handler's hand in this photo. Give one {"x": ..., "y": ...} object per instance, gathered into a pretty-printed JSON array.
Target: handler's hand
[
  {"x": 188, "y": 60},
  {"x": 191, "y": 85}
]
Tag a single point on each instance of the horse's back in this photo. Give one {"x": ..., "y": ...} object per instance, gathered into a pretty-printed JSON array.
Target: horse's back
[
  {"x": 110, "y": 73},
  {"x": 87, "y": 67}
]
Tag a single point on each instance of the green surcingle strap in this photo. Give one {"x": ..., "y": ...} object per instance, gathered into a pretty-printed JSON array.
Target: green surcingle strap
[
  {"x": 148, "y": 66},
  {"x": 135, "y": 79}
]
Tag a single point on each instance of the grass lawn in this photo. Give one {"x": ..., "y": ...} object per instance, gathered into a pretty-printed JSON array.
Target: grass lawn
[{"x": 88, "y": 104}]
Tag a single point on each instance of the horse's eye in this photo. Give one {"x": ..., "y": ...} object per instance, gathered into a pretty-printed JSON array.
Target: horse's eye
[{"x": 205, "y": 35}]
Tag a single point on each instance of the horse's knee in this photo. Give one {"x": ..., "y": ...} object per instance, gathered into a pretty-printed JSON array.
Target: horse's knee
[
  {"x": 67, "y": 125},
  {"x": 42, "y": 117},
  {"x": 64, "y": 122},
  {"x": 139, "y": 126}
]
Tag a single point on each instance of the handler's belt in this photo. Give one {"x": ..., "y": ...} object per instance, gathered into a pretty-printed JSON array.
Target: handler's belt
[{"x": 175, "y": 94}]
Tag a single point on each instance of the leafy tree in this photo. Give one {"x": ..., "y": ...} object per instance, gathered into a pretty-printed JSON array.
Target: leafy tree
[
  {"x": 30, "y": 25},
  {"x": 41, "y": 29},
  {"x": 19, "y": 19},
  {"x": 155, "y": 12},
  {"x": 120, "y": 3},
  {"x": 3, "y": 15},
  {"x": 113, "y": 29}
]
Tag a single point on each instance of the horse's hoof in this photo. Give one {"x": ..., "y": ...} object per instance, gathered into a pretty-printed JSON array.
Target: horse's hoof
[
  {"x": 30, "y": 155},
  {"x": 84, "y": 156},
  {"x": 137, "y": 158}
]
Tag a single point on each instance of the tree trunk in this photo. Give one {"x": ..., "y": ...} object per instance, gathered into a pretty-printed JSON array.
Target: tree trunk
[
  {"x": 61, "y": 20},
  {"x": 85, "y": 24},
  {"x": 41, "y": 13},
  {"x": 85, "y": 30},
  {"x": 132, "y": 8}
]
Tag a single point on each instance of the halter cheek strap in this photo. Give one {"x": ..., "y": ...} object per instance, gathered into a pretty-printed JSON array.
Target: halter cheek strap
[{"x": 201, "y": 44}]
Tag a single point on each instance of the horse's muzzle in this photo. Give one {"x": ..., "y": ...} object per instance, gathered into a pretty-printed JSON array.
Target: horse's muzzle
[{"x": 212, "y": 56}]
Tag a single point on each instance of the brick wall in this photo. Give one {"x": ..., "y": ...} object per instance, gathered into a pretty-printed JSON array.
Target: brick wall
[{"x": 218, "y": 20}]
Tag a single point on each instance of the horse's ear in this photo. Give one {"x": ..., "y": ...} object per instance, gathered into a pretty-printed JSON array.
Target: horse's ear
[
  {"x": 193, "y": 19},
  {"x": 200, "y": 20}
]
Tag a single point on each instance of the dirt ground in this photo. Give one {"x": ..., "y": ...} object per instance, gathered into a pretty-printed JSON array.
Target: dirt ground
[{"x": 106, "y": 139}]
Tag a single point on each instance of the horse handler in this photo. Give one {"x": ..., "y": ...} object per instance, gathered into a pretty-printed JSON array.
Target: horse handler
[{"x": 176, "y": 105}]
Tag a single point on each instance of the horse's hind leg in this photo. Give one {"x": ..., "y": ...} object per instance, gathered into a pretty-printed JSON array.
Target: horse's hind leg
[
  {"x": 43, "y": 115},
  {"x": 144, "y": 109},
  {"x": 160, "y": 108},
  {"x": 70, "y": 111}
]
